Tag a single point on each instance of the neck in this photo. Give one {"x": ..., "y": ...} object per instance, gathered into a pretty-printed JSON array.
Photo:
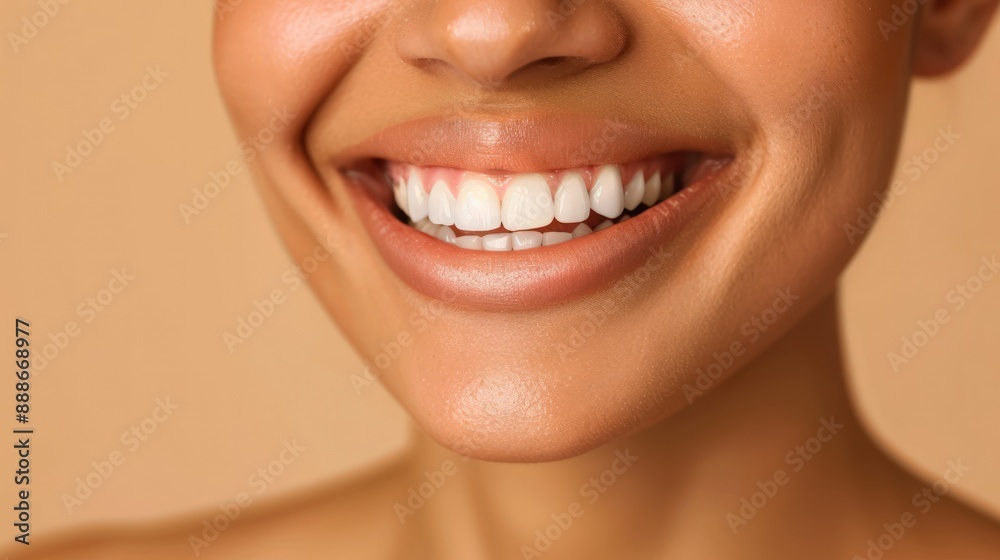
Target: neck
[{"x": 773, "y": 457}]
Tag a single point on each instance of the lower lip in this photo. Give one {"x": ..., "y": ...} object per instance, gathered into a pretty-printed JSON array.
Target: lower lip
[{"x": 532, "y": 278}]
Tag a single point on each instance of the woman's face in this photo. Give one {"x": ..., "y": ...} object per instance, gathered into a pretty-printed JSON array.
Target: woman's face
[{"x": 777, "y": 119}]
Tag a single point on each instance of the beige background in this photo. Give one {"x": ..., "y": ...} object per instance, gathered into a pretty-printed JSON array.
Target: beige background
[{"x": 163, "y": 335}]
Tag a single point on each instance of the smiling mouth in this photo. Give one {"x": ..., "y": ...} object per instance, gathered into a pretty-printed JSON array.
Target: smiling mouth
[
  {"x": 525, "y": 212},
  {"x": 512, "y": 212}
]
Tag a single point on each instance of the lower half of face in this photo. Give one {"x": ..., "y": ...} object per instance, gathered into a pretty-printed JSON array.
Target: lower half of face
[{"x": 544, "y": 225}]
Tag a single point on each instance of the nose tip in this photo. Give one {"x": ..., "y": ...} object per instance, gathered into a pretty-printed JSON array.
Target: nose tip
[{"x": 494, "y": 41}]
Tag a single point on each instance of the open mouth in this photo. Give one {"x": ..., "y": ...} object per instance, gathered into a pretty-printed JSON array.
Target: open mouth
[
  {"x": 572, "y": 207},
  {"x": 513, "y": 212}
]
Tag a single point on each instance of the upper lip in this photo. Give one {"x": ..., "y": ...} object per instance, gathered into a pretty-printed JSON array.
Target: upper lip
[{"x": 522, "y": 143}]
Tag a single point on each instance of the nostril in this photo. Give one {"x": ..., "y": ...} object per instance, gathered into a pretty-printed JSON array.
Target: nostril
[
  {"x": 552, "y": 66},
  {"x": 550, "y": 61}
]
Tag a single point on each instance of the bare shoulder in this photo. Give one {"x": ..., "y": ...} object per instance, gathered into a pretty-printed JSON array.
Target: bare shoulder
[{"x": 353, "y": 518}]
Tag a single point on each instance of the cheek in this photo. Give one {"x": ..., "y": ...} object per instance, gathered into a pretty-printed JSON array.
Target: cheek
[
  {"x": 779, "y": 54},
  {"x": 828, "y": 93},
  {"x": 286, "y": 53}
]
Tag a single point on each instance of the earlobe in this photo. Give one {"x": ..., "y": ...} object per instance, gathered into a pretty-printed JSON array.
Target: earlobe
[{"x": 949, "y": 32}]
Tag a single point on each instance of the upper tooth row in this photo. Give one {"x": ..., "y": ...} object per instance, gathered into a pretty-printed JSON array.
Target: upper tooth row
[{"x": 527, "y": 202}]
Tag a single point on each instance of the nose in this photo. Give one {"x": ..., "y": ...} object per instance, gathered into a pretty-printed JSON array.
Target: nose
[{"x": 493, "y": 42}]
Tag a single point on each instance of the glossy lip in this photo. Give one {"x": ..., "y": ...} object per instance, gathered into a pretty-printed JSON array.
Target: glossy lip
[
  {"x": 523, "y": 143},
  {"x": 537, "y": 277}
]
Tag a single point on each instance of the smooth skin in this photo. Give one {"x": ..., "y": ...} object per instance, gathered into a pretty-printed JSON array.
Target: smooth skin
[{"x": 810, "y": 96}]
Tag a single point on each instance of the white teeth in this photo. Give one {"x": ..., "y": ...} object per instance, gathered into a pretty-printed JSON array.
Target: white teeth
[
  {"x": 634, "y": 191},
  {"x": 553, "y": 237},
  {"x": 572, "y": 202},
  {"x": 607, "y": 197},
  {"x": 470, "y": 242},
  {"x": 445, "y": 233},
  {"x": 441, "y": 205},
  {"x": 416, "y": 198},
  {"x": 527, "y": 203},
  {"x": 399, "y": 193},
  {"x": 652, "y": 194},
  {"x": 478, "y": 207},
  {"x": 497, "y": 242},
  {"x": 581, "y": 230},
  {"x": 526, "y": 239}
]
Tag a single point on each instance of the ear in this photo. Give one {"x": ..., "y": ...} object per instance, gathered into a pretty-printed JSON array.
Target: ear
[{"x": 948, "y": 33}]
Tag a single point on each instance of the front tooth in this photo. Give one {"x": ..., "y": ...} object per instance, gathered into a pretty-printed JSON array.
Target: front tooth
[
  {"x": 653, "y": 185},
  {"x": 399, "y": 193},
  {"x": 527, "y": 203},
  {"x": 445, "y": 233},
  {"x": 634, "y": 191},
  {"x": 526, "y": 239},
  {"x": 607, "y": 197},
  {"x": 603, "y": 225},
  {"x": 581, "y": 230},
  {"x": 553, "y": 237},
  {"x": 470, "y": 242},
  {"x": 416, "y": 198},
  {"x": 441, "y": 205},
  {"x": 497, "y": 242},
  {"x": 572, "y": 202},
  {"x": 478, "y": 207}
]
